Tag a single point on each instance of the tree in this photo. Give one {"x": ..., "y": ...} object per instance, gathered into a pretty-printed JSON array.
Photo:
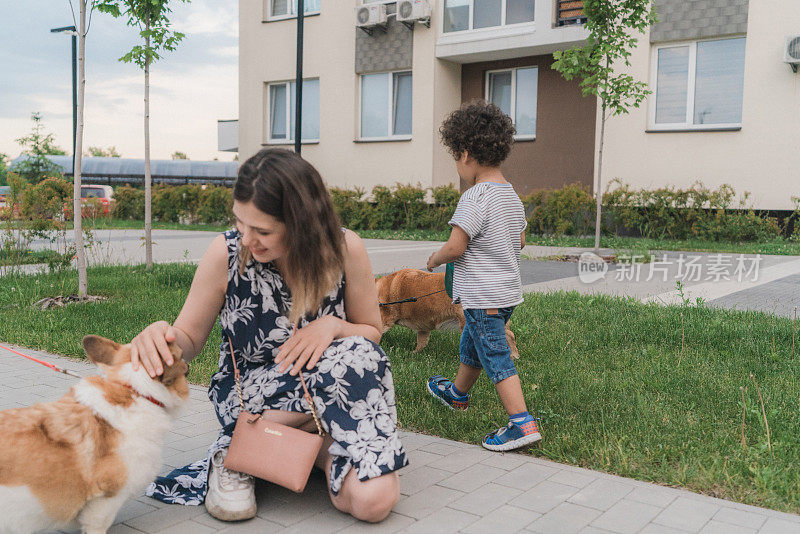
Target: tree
[
  {"x": 3, "y": 169},
  {"x": 99, "y": 152},
  {"x": 179, "y": 155},
  {"x": 37, "y": 146},
  {"x": 77, "y": 212},
  {"x": 611, "y": 25},
  {"x": 151, "y": 17}
]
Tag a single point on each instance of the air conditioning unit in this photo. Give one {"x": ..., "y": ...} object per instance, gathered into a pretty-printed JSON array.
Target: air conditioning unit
[
  {"x": 791, "y": 51},
  {"x": 409, "y": 11},
  {"x": 370, "y": 16}
]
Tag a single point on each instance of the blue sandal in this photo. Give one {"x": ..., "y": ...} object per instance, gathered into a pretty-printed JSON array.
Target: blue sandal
[{"x": 439, "y": 387}]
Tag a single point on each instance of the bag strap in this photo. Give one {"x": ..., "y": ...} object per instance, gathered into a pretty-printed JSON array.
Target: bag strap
[{"x": 306, "y": 394}]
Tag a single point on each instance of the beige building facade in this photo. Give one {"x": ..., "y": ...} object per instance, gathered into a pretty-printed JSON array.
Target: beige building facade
[
  {"x": 447, "y": 65},
  {"x": 725, "y": 106}
]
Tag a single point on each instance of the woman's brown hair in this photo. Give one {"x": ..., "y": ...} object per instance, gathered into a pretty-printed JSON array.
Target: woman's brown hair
[{"x": 282, "y": 184}]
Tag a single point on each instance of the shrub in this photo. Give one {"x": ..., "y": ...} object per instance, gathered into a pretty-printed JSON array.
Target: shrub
[
  {"x": 128, "y": 203},
  {"x": 445, "y": 200},
  {"x": 409, "y": 203},
  {"x": 569, "y": 210},
  {"x": 46, "y": 200},
  {"x": 183, "y": 203},
  {"x": 166, "y": 203},
  {"x": 214, "y": 205},
  {"x": 383, "y": 215},
  {"x": 353, "y": 210},
  {"x": 693, "y": 213}
]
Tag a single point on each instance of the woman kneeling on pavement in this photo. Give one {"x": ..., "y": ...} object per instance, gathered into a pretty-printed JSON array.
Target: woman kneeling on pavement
[{"x": 293, "y": 291}]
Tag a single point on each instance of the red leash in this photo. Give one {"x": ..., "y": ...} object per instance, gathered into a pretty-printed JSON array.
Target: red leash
[
  {"x": 46, "y": 364},
  {"x": 70, "y": 373}
]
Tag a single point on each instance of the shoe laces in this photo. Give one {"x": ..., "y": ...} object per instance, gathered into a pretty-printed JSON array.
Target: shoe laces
[
  {"x": 231, "y": 480},
  {"x": 234, "y": 480}
]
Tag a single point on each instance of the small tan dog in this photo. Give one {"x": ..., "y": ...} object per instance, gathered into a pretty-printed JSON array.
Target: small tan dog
[
  {"x": 428, "y": 313},
  {"x": 82, "y": 456}
]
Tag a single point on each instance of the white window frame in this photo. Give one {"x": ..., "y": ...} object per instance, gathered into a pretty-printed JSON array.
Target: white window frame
[
  {"x": 691, "y": 87},
  {"x": 269, "y": 140},
  {"x": 271, "y": 18},
  {"x": 390, "y": 110},
  {"x": 513, "y": 113},
  {"x": 488, "y": 28}
]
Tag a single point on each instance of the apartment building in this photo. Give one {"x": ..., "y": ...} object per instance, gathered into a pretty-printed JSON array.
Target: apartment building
[
  {"x": 725, "y": 106},
  {"x": 374, "y": 97}
]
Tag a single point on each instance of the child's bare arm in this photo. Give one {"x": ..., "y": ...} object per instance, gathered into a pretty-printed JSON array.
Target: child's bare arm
[
  {"x": 450, "y": 251},
  {"x": 522, "y": 240}
]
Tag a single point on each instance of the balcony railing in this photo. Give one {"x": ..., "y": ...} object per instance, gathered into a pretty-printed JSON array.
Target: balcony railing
[{"x": 570, "y": 12}]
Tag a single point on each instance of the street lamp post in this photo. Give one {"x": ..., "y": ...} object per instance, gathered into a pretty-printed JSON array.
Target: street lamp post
[
  {"x": 71, "y": 30},
  {"x": 298, "y": 84}
]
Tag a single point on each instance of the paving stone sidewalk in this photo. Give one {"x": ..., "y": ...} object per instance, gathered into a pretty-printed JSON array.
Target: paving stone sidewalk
[{"x": 449, "y": 486}]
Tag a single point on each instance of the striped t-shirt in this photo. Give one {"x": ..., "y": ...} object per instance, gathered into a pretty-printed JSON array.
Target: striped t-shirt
[{"x": 487, "y": 274}]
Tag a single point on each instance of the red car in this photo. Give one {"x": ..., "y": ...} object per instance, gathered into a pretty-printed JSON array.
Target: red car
[
  {"x": 94, "y": 197},
  {"x": 103, "y": 193}
]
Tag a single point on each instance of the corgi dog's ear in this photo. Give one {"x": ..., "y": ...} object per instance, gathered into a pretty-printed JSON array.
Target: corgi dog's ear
[{"x": 102, "y": 351}]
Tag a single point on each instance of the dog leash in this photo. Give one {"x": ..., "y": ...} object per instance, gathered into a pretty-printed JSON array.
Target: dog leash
[
  {"x": 411, "y": 299},
  {"x": 46, "y": 364},
  {"x": 70, "y": 373}
]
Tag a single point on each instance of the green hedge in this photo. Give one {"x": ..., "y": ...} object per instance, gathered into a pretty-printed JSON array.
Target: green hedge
[
  {"x": 402, "y": 206},
  {"x": 665, "y": 213},
  {"x": 183, "y": 203}
]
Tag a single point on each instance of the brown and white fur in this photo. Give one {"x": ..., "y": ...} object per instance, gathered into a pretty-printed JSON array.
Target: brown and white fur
[
  {"x": 79, "y": 458},
  {"x": 428, "y": 313}
]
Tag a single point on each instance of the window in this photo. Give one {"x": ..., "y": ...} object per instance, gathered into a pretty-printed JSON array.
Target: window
[
  {"x": 284, "y": 9},
  {"x": 386, "y": 105},
  {"x": 281, "y": 112},
  {"x": 699, "y": 85},
  {"x": 460, "y": 15},
  {"x": 515, "y": 92}
]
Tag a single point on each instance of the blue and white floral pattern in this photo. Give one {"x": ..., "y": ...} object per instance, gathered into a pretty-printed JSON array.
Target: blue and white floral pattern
[{"x": 351, "y": 385}]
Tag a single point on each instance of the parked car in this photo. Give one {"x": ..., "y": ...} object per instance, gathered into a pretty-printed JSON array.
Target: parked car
[
  {"x": 5, "y": 190},
  {"x": 97, "y": 201}
]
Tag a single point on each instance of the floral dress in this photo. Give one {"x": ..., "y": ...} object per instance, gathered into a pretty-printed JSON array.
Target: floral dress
[{"x": 351, "y": 384}]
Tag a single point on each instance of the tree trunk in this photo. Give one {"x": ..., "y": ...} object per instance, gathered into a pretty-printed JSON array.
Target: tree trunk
[
  {"x": 599, "y": 189},
  {"x": 78, "y": 154},
  {"x": 148, "y": 209}
]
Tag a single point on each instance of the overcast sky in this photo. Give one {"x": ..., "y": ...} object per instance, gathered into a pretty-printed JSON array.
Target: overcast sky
[{"x": 190, "y": 88}]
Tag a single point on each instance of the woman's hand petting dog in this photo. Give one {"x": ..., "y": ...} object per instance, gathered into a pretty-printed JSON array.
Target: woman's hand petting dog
[
  {"x": 150, "y": 348},
  {"x": 307, "y": 344}
]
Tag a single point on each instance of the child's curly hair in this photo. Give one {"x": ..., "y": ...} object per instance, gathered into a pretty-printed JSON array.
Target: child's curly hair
[{"x": 480, "y": 128}]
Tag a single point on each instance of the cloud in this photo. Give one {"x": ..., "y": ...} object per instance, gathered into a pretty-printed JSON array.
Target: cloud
[
  {"x": 184, "y": 110},
  {"x": 200, "y": 18},
  {"x": 226, "y": 51},
  {"x": 191, "y": 88}
]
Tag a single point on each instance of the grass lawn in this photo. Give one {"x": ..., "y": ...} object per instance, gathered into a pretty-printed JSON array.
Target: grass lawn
[
  {"x": 28, "y": 257},
  {"x": 603, "y": 374},
  {"x": 778, "y": 246}
]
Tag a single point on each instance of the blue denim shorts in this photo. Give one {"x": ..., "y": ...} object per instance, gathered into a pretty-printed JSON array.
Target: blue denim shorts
[{"x": 484, "y": 345}]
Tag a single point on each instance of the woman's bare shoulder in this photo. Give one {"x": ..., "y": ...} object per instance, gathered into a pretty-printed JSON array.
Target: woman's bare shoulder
[
  {"x": 353, "y": 243},
  {"x": 217, "y": 251},
  {"x": 213, "y": 266}
]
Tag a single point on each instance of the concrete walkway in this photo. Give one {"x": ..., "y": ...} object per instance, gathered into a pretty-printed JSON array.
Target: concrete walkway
[{"x": 449, "y": 486}]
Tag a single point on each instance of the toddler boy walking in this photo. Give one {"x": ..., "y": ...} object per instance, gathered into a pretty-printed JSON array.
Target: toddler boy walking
[{"x": 485, "y": 242}]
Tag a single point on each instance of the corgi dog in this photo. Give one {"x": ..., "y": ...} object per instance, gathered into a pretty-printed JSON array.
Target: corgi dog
[
  {"x": 81, "y": 457},
  {"x": 433, "y": 309}
]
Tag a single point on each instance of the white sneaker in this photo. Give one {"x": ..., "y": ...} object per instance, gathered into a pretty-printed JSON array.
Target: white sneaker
[{"x": 231, "y": 495}]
